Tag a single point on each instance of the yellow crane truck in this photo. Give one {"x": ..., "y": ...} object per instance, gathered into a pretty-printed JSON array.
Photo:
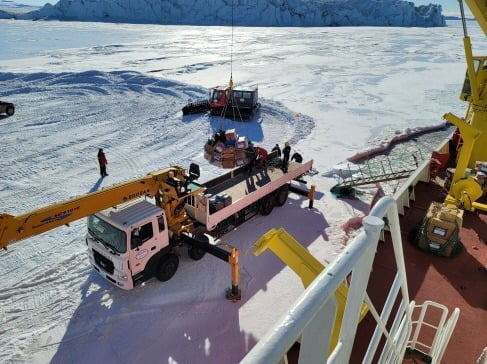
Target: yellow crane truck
[{"x": 136, "y": 228}]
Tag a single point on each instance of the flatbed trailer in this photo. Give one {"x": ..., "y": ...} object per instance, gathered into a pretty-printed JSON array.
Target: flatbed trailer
[{"x": 245, "y": 194}]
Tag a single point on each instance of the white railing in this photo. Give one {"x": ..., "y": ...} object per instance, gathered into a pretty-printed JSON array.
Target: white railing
[
  {"x": 433, "y": 316},
  {"x": 406, "y": 192},
  {"x": 310, "y": 320}
]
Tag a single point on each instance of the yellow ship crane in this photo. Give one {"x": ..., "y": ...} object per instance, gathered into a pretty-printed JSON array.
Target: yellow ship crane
[
  {"x": 466, "y": 190},
  {"x": 439, "y": 231}
]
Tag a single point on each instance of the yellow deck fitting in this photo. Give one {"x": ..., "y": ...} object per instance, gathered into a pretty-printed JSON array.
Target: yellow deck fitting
[{"x": 307, "y": 267}]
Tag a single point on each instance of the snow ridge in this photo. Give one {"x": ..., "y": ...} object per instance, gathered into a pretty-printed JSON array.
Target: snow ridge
[{"x": 286, "y": 13}]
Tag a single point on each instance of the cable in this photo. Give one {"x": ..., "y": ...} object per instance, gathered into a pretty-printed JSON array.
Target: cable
[{"x": 231, "y": 54}]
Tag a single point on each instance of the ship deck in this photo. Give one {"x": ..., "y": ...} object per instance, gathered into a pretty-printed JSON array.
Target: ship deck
[{"x": 459, "y": 281}]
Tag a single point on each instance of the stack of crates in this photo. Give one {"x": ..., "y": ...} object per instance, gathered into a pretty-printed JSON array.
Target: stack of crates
[
  {"x": 228, "y": 156},
  {"x": 241, "y": 151},
  {"x": 225, "y": 199},
  {"x": 217, "y": 202},
  {"x": 229, "y": 151}
]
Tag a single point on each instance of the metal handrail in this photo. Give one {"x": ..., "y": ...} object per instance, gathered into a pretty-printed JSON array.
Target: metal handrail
[
  {"x": 316, "y": 303},
  {"x": 311, "y": 318}
]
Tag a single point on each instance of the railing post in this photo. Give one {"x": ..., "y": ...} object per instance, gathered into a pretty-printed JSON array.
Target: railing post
[{"x": 356, "y": 294}]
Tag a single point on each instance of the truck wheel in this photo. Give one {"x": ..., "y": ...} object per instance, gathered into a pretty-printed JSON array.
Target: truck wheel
[
  {"x": 197, "y": 253},
  {"x": 267, "y": 205},
  {"x": 281, "y": 195},
  {"x": 168, "y": 265},
  {"x": 10, "y": 110}
]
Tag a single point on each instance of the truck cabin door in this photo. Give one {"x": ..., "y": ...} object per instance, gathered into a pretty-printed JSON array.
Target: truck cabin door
[
  {"x": 145, "y": 241},
  {"x": 217, "y": 98},
  {"x": 142, "y": 242}
]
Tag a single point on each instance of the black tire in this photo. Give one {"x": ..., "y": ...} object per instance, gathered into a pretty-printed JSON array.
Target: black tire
[
  {"x": 267, "y": 205},
  {"x": 168, "y": 265},
  {"x": 10, "y": 110},
  {"x": 281, "y": 195},
  {"x": 197, "y": 253}
]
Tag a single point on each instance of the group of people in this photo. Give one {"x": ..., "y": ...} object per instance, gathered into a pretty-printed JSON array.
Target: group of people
[
  {"x": 285, "y": 153},
  {"x": 259, "y": 157}
]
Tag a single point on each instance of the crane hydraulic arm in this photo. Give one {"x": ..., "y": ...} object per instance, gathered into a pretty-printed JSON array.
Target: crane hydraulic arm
[
  {"x": 465, "y": 190},
  {"x": 154, "y": 184},
  {"x": 479, "y": 11}
]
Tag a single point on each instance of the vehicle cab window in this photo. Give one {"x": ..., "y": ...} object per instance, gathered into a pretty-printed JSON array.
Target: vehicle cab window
[
  {"x": 141, "y": 234},
  {"x": 217, "y": 95}
]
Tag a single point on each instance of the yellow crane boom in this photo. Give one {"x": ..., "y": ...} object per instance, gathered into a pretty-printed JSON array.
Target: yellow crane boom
[
  {"x": 479, "y": 11},
  {"x": 154, "y": 184}
]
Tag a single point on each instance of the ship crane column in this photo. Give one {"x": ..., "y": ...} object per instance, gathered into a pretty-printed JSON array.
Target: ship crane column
[{"x": 465, "y": 190}]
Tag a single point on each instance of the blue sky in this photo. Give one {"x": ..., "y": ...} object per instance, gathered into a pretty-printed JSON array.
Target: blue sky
[{"x": 449, "y": 6}]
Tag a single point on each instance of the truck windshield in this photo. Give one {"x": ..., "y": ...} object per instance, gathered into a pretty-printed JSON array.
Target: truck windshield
[{"x": 108, "y": 235}]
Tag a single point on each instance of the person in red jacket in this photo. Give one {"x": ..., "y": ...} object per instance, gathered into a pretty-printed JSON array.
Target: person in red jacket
[
  {"x": 260, "y": 156},
  {"x": 102, "y": 160}
]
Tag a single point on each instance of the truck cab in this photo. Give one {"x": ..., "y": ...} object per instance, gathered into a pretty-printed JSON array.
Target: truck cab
[{"x": 125, "y": 244}]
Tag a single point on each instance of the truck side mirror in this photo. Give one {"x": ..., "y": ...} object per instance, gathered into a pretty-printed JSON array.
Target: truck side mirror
[{"x": 194, "y": 172}]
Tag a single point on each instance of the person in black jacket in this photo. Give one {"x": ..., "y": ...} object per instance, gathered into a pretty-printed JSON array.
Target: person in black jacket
[
  {"x": 297, "y": 157},
  {"x": 285, "y": 156},
  {"x": 278, "y": 149}
]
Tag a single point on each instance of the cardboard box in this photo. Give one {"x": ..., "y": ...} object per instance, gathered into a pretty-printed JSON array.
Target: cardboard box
[
  {"x": 230, "y": 134},
  {"x": 217, "y": 156},
  {"x": 227, "y": 155},
  {"x": 242, "y": 143},
  {"x": 240, "y": 162},
  {"x": 450, "y": 213},
  {"x": 228, "y": 163},
  {"x": 240, "y": 154},
  {"x": 219, "y": 147},
  {"x": 229, "y": 149},
  {"x": 209, "y": 149}
]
